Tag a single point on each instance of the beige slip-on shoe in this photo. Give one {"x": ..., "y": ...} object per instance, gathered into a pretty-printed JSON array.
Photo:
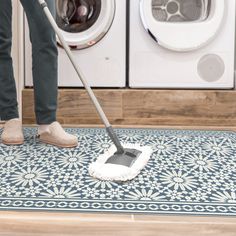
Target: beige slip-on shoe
[
  {"x": 12, "y": 132},
  {"x": 57, "y": 136}
]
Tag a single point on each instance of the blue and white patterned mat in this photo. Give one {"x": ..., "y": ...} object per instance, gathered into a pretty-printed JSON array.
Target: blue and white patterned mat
[{"x": 190, "y": 172}]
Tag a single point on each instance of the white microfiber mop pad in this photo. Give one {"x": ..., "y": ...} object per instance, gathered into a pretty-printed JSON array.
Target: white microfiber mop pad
[{"x": 112, "y": 172}]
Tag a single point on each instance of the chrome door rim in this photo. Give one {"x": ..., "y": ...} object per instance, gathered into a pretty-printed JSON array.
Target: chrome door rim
[
  {"x": 159, "y": 30},
  {"x": 96, "y": 32}
]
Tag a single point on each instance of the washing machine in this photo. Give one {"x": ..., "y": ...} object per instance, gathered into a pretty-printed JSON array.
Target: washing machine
[
  {"x": 182, "y": 44},
  {"x": 96, "y": 32}
]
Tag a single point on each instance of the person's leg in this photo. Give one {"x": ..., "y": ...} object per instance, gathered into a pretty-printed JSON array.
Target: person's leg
[
  {"x": 8, "y": 98},
  {"x": 44, "y": 54}
]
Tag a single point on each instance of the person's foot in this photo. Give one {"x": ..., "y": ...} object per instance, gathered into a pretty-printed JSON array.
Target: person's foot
[
  {"x": 55, "y": 135},
  {"x": 12, "y": 133}
]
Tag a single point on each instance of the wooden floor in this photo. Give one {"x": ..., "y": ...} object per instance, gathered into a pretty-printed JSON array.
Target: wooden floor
[
  {"x": 57, "y": 224},
  {"x": 14, "y": 223}
]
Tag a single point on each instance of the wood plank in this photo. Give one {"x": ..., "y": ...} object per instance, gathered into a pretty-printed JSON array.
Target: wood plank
[
  {"x": 179, "y": 103},
  {"x": 78, "y": 104},
  {"x": 143, "y": 107},
  {"x": 43, "y": 223}
]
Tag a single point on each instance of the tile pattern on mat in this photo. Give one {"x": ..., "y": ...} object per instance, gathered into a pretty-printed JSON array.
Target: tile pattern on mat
[{"x": 190, "y": 172}]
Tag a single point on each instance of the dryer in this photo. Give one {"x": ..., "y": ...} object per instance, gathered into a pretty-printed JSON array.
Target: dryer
[
  {"x": 182, "y": 44},
  {"x": 96, "y": 32}
]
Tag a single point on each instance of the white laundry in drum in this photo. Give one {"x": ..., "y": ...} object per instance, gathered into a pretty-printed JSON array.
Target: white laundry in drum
[{"x": 182, "y": 44}]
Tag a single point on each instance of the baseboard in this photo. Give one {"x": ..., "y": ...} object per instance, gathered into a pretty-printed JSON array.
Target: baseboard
[{"x": 135, "y": 107}]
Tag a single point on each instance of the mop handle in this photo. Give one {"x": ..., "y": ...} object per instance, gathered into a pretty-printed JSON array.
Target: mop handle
[{"x": 87, "y": 87}]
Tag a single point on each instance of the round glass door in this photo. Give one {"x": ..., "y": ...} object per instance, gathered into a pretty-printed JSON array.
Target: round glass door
[
  {"x": 181, "y": 10},
  {"x": 182, "y": 25},
  {"x": 84, "y": 22}
]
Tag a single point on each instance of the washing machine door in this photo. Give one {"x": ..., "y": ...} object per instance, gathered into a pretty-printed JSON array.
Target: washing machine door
[
  {"x": 84, "y": 22},
  {"x": 182, "y": 25}
]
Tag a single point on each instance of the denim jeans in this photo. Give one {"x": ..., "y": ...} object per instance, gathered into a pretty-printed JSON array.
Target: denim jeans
[{"x": 44, "y": 55}]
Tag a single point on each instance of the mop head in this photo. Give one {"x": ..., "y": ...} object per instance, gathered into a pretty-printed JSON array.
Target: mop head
[{"x": 114, "y": 172}]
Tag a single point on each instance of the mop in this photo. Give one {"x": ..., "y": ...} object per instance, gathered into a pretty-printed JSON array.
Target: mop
[{"x": 121, "y": 162}]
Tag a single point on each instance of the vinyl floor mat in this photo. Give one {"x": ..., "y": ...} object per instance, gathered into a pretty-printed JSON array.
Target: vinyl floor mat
[{"x": 190, "y": 172}]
